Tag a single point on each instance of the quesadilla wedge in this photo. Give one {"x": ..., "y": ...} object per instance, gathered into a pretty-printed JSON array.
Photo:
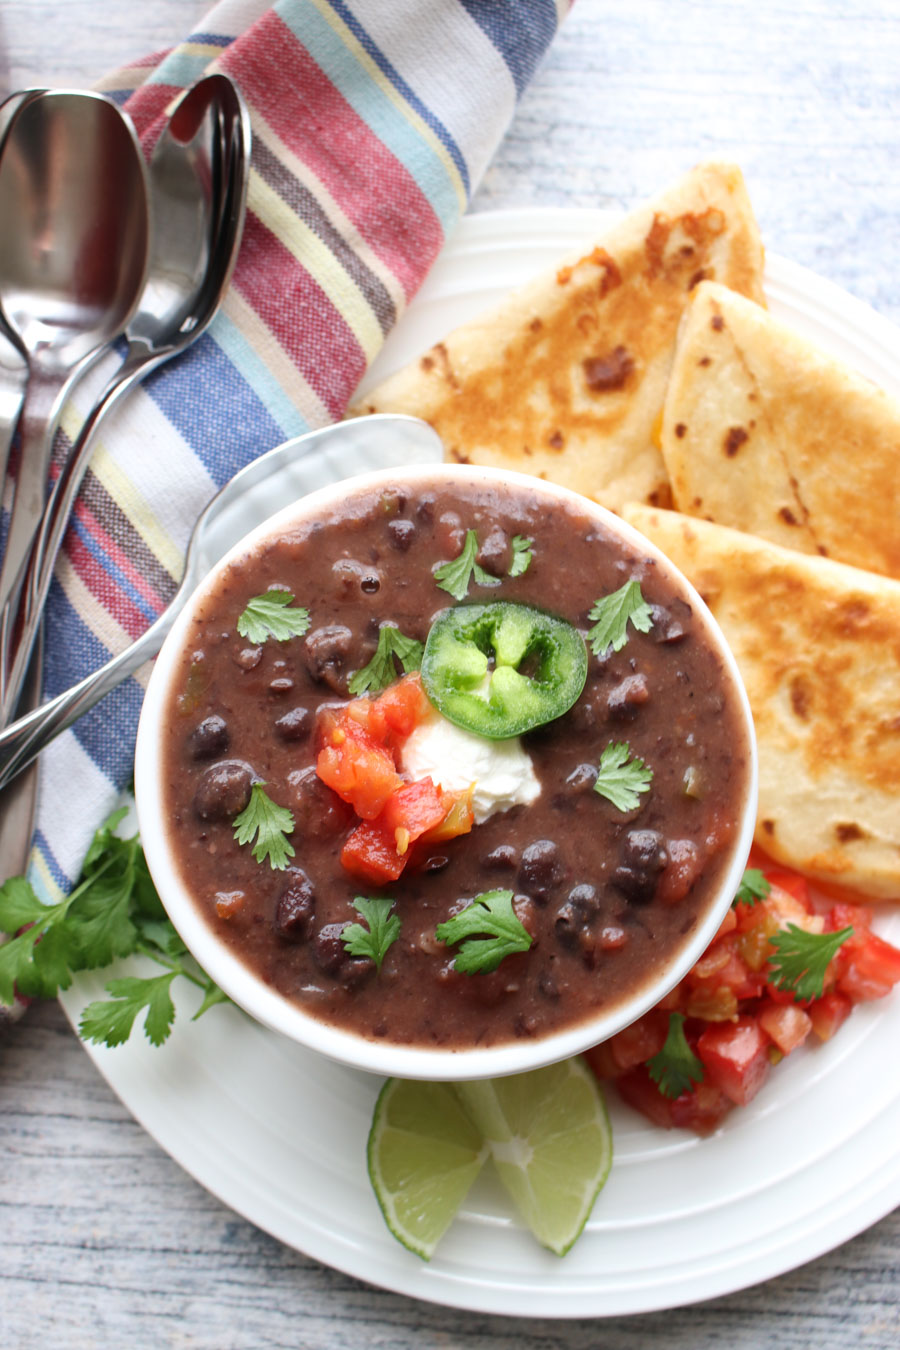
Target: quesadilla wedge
[
  {"x": 567, "y": 378},
  {"x": 818, "y": 646},
  {"x": 765, "y": 433}
]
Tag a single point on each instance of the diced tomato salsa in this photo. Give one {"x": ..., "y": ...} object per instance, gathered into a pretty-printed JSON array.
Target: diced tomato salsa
[
  {"x": 358, "y": 757},
  {"x": 738, "y": 1021}
]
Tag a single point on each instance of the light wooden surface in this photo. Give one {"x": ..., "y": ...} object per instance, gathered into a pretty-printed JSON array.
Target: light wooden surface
[{"x": 103, "y": 1240}]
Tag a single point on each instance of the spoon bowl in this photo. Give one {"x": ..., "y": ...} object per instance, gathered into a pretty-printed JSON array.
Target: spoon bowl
[
  {"x": 198, "y": 193},
  {"x": 73, "y": 255}
]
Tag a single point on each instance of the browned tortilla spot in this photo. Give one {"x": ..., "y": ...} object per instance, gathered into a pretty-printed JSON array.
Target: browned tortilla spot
[
  {"x": 846, "y": 833},
  {"x": 680, "y": 430},
  {"x": 800, "y": 698},
  {"x": 768, "y": 826},
  {"x": 787, "y": 515},
  {"x": 734, "y": 439},
  {"x": 606, "y": 373},
  {"x": 717, "y": 322}
]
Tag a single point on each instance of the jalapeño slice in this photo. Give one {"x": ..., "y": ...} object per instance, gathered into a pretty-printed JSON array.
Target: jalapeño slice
[{"x": 501, "y": 669}]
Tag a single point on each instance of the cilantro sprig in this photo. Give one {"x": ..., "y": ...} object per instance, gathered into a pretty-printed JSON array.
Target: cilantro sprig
[
  {"x": 613, "y": 613},
  {"x": 801, "y": 960},
  {"x": 383, "y": 929},
  {"x": 488, "y": 929},
  {"x": 272, "y": 616},
  {"x": 675, "y": 1068},
  {"x": 622, "y": 777},
  {"x": 752, "y": 889},
  {"x": 522, "y": 553},
  {"x": 454, "y": 577},
  {"x": 113, "y": 912},
  {"x": 381, "y": 671},
  {"x": 269, "y": 824}
]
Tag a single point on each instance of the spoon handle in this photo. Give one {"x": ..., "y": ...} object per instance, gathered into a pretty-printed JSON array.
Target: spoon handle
[
  {"x": 42, "y": 402},
  {"x": 21, "y": 610}
]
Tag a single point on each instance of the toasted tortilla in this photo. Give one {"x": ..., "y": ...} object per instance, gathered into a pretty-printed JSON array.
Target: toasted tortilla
[
  {"x": 567, "y": 378},
  {"x": 818, "y": 646},
  {"x": 767, "y": 434}
]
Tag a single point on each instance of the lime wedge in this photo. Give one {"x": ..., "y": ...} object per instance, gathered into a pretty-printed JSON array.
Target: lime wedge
[
  {"x": 424, "y": 1153},
  {"x": 551, "y": 1142}
]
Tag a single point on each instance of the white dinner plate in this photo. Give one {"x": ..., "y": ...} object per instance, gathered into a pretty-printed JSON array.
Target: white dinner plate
[{"x": 279, "y": 1134}]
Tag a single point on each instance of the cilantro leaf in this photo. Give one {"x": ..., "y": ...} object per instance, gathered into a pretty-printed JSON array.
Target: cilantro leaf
[
  {"x": 109, "y": 1021},
  {"x": 523, "y": 550},
  {"x": 270, "y": 823},
  {"x": 381, "y": 671},
  {"x": 269, "y": 616},
  {"x": 19, "y": 905},
  {"x": 622, "y": 777},
  {"x": 493, "y": 931},
  {"x": 612, "y": 613},
  {"x": 383, "y": 929},
  {"x": 753, "y": 887},
  {"x": 113, "y": 911},
  {"x": 455, "y": 576},
  {"x": 801, "y": 960},
  {"x": 675, "y": 1068}
]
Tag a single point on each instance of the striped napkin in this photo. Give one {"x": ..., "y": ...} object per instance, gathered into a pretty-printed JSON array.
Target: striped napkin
[{"x": 373, "y": 121}]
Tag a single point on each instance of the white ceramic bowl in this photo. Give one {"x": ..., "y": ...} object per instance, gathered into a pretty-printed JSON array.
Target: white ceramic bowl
[{"x": 271, "y": 1008}]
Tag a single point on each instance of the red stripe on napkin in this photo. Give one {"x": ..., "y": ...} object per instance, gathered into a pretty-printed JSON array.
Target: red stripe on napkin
[
  {"x": 308, "y": 113},
  {"x": 293, "y": 305}
]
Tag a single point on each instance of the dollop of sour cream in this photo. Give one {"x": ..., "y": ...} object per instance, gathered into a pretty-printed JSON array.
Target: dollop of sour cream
[{"x": 502, "y": 771}]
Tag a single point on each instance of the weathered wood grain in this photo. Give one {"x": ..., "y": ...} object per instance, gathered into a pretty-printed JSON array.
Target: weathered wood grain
[{"x": 103, "y": 1240}]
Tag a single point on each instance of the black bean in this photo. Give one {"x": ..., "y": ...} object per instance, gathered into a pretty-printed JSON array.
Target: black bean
[
  {"x": 547, "y": 986},
  {"x": 248, "y": 658},
  {"x": 401, "y": 533},
  {"x": 425, "y": 509},
  {"x": 327, "y": 651},
  {"x": 318, "y": 811},
  {"x": 495, "y": 554},
  {"x": 671, "y": 624},
  {"x": 353, "y": 576},
  {"x": 504, "y": 855},
  {"x": 624, "y": 701},
  {"x": 585, "y": 901},
  {"x": 224, "y": 790},
  {"x": 541, "y": 869},
  {"x": 582, "y": 779},
  {"x": 566, "y": 926},
  {"x": 295, "y": 908},
  {"x": 328, "y": 949},
  {"x": 294, "y": 725},
  {"x": 436, "y": 863},
  {"x": 210, "y": 738},
  {"x": 354, "y": 970},
  {"x": 644, "y": 857}
]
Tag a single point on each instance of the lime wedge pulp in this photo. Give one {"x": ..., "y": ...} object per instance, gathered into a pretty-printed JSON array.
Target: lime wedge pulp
[
  {"x": 423, "y": 1153},
  {"x": 550, "y": 1140}
]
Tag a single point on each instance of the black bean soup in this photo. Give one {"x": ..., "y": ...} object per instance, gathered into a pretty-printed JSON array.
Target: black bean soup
[{"x": 607, "y": 895}]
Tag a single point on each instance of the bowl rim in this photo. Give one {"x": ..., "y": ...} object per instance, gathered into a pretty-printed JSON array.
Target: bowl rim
[{"x": 273, "y": 1009}]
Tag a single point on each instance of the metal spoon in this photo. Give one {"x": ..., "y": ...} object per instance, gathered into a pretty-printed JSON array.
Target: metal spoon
[
  {"x": 257, "y": 491},
  {"x": 198, "y": 194},
  {"x": 73, "y": 254},
  {"x": 18, "y": 801}
]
